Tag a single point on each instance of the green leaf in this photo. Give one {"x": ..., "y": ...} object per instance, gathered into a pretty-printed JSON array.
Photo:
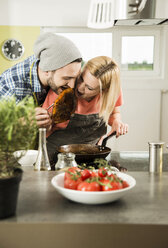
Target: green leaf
[
  {"x": 10, "y": 132},
  {"x": 18, "y": 129}
]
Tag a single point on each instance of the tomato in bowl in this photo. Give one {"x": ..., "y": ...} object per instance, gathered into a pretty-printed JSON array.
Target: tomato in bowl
[{"x": 94, "y": 189}]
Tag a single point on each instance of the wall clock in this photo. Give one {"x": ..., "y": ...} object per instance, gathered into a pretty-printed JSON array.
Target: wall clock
[{"x": 12, "y": 49}]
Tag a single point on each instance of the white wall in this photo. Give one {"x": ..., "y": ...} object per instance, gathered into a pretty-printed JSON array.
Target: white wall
[
  {"x": 164, "y": 96},
  {"x": 44, "y": 13},
  {"x": 141, "y": 110},
  {"x": 161, "y": 8}
]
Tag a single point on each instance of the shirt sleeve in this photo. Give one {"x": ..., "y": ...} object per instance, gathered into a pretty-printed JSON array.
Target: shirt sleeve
[{"x": 5, "y": 91}]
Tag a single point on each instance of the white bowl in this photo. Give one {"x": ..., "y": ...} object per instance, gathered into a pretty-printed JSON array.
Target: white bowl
[
  {"x": 98, "y": 197},
  {"x": 28, "y": 157}
]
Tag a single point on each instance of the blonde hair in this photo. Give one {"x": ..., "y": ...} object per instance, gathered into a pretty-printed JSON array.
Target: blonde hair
[{"x": 107, "y": 72}]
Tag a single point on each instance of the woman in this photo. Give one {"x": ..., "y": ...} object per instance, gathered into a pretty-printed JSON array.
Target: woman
[{"x": 99, "y": 97}]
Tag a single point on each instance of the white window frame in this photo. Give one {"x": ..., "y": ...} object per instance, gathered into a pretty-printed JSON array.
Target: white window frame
[{"x": 134, "y": 31}]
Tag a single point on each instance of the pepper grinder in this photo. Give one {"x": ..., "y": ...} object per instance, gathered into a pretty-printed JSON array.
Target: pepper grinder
[{"x": 42, "y": 162}]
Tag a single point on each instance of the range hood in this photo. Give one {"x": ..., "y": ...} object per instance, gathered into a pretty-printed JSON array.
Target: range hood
[{"x": 108, "y": 13}]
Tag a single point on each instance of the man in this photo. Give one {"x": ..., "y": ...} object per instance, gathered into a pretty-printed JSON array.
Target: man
[{"x": 56, "y": 65}]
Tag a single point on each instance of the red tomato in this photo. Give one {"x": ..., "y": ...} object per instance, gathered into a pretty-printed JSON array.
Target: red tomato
[
  {"x": 116, "y": 185},
  {"x": 94, "y": 174},
  {"x": 89, "y": 186},
  {"x": 85, "y": 174},
  {"x": 72, "y": 171},
  {"x": 72, "y": 182},
  {"x": 105, "y": 184},
  {"x": 102, "y": 172},
  {"x": 125, "y": 184},
  {"x": 110, "y": 185},
  {"x": 112, "y": 176}
]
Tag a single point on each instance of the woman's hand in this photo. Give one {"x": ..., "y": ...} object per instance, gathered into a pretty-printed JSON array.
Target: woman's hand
[
  {"x": 43, "y": 118},
  {"x": 118, "y": 126}
]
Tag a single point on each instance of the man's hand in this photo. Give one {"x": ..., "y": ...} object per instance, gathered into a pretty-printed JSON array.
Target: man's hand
[{"x": 43, "y": 118}]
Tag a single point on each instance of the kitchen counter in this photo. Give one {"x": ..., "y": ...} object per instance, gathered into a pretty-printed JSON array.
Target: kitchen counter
[
  {"x": 136, "y": 161},
  {"x": 46, "y": 219}
]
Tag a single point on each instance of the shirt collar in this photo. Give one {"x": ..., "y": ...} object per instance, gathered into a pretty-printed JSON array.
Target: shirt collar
[{"x": 36, "y": 86}]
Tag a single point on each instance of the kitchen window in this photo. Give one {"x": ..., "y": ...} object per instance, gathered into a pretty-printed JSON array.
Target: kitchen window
[
  {"x": 137, "y": 53},
  {"x": 92, "y": 44}
]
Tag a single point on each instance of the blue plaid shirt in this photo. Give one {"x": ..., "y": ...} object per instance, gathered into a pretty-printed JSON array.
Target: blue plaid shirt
[{"x": 16, "y": 80}]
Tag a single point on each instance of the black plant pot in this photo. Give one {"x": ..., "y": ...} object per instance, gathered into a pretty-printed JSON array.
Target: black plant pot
[{"x": 9, "y": 188}]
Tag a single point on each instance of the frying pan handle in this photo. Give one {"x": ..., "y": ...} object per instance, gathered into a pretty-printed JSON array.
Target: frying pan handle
[{"x": 105, "y": 139}]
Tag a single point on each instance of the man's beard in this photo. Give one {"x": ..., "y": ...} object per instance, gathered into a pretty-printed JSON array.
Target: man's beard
[
  {"x": 53, "y": 86},
  {"x": 56, "y": 89}
]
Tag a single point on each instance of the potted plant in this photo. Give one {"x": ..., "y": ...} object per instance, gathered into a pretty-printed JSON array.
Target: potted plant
[{"x": 17, "y": 132}]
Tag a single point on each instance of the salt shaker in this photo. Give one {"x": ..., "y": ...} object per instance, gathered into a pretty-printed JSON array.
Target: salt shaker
[
  {"x": 155, "y": 156},
  {"x": 42, "y": 162},
  {"x": 65, "y": 160}
]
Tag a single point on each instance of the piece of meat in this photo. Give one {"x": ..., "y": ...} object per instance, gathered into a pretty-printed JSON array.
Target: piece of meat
[{"x": 64, "y": 106}]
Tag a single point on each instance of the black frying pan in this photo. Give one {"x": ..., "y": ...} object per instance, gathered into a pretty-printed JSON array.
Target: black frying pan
[{"x": 86, "y": 152}]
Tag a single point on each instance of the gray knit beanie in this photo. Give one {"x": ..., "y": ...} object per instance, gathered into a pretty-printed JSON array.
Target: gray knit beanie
[{"x": 55, "y": 51}]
